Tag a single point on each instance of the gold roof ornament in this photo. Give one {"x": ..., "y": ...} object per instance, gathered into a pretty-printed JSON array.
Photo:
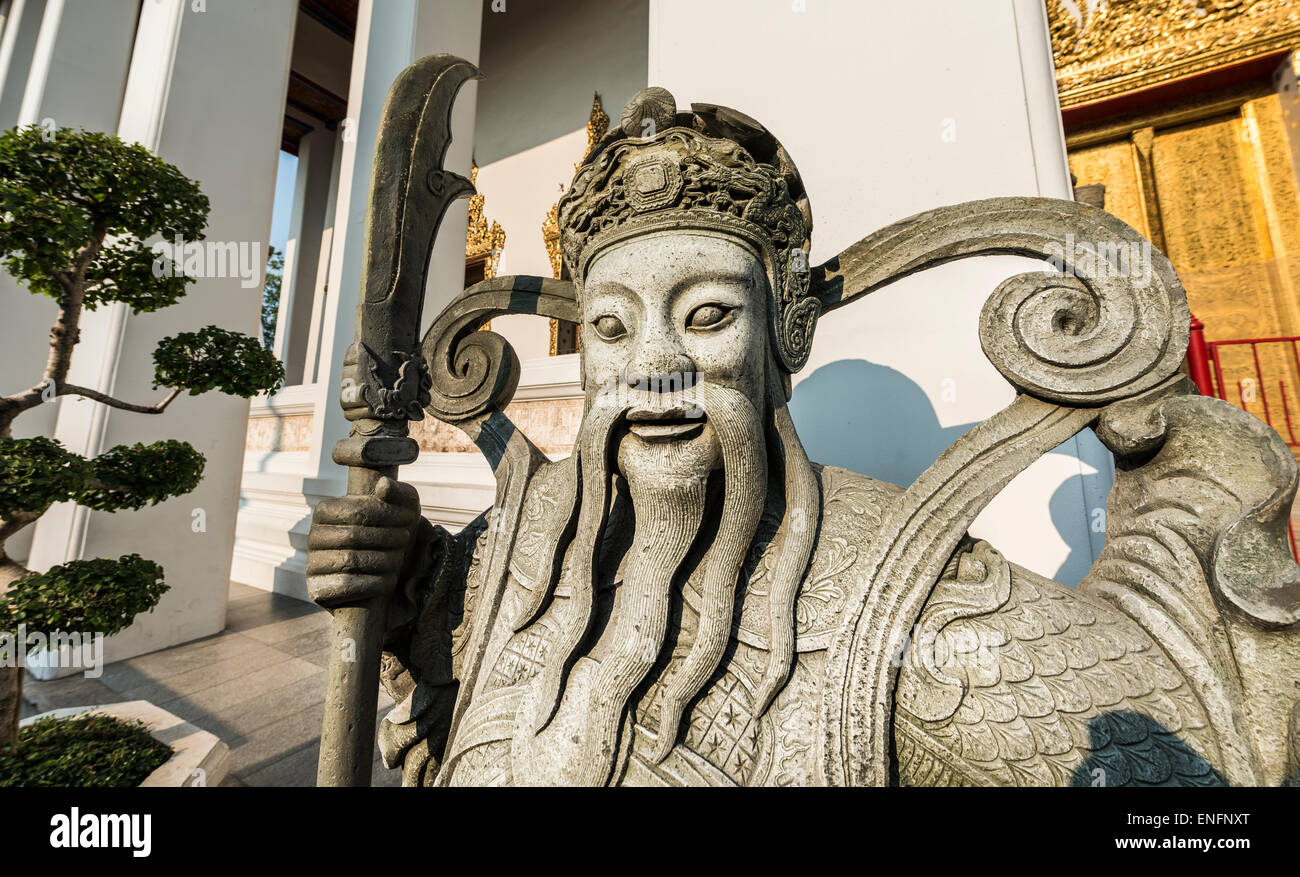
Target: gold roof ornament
[
  {"x": 551, "y": 234},
  {"x": 482, "y": 241},
  {"x": 597, "y": 125},
  {"x": 1108, "y": 47}
]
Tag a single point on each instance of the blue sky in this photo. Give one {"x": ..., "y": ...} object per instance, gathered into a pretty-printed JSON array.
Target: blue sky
[{"x": 285, "y": 174}]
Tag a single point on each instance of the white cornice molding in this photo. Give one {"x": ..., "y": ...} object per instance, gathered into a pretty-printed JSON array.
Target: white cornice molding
[
  {"x": 300, "y": 399},
  {"x": 549, "y": 379}
]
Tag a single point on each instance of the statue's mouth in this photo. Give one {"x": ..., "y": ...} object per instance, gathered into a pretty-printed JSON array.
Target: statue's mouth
[{"x": 669, "y": 424}]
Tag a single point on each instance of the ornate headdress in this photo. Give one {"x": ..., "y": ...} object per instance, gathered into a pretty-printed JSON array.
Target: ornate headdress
[{"x": 711, "y": 168}]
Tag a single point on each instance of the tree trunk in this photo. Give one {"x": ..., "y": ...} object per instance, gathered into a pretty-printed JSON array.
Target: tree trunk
[
  {"x": 11, "y": 678},
  {"x": 11, "y": 704}
]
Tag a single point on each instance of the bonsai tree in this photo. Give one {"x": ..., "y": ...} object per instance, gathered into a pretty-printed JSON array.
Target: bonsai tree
[{"x": 76, "y": 208}]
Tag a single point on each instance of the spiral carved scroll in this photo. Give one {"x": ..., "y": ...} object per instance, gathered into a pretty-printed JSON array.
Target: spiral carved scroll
[
  {"x": 476, "y": 372},
  {"x": 1111, "y": 323}
]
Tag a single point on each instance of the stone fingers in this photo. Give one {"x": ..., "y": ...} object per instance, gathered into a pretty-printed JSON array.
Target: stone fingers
[{"x": 323, "y": 536}]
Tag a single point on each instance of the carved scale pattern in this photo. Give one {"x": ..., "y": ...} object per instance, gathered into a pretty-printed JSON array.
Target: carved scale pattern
[{"x": 1074, "y": 689}]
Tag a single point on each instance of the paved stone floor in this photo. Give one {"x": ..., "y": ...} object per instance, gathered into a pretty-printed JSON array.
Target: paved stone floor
[{"x": 259, "y": 685}]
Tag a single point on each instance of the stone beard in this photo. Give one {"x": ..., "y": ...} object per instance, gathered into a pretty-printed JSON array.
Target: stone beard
[{"x": 696, "y": 494}]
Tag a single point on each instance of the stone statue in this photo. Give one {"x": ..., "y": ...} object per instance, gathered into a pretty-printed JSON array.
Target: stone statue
[{"x": 688, "y": 600}]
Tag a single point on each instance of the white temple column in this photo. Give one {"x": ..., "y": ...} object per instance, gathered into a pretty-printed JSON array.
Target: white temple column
[
  {"x": 192, "y": 70},
  {"x": 76, "y": 82},
  {"x": 300, "y": 283},
  {"x": 281, "y": 488},
  {"x": 890, "y": 109}
]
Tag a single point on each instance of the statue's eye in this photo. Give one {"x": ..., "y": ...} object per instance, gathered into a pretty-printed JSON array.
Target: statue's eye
[
  {"x": 609, "y": 327},
  {"x": 709, "y": 317}
]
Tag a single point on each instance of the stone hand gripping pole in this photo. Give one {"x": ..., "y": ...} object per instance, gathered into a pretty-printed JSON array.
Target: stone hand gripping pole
[{"x": 386, "y": 383}]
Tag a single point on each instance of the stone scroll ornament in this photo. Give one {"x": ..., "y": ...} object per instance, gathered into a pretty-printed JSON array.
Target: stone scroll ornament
[
  {"x": 1196, "y": 552},
  {"x": 1086, "y": 347}
]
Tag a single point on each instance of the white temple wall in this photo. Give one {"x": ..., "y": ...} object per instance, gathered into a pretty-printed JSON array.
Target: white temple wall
[
  {"x": 862, "y": 93},
  {"x": 888, "y": 114},
  {"x": 543, "y": 59}
]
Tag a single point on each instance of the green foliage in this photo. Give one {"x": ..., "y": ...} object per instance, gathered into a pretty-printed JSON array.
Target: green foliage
[
  {"x": 67, "y": 195},
  {"x": 83, "y": 751},
  {"x": 128, "y": 272},
  {"x": 271, "y": 296},
  {"x": 35, "y": 472},
  {"x": 60, "y": 190},
  {"x": 216, "y": 359},
  {"x": 132, "y": 477},
  {"x": 99, "y": 595}
]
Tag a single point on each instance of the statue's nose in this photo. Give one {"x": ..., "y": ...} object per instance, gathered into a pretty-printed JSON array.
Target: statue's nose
[{"x": 660, "y": 368}]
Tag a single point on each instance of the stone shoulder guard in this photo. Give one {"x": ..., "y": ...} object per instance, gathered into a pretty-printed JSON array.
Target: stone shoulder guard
[
  {"x": 1177, "y": 658},
  {"x": 1012, "y": 679}
]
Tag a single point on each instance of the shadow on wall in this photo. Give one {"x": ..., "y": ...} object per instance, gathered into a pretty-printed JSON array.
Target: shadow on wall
[
  {"x": 1064, "y": 506},
  {"x": 875, "y": 420}
]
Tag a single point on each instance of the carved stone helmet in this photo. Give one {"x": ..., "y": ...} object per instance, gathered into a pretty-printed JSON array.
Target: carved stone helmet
[{"x": 713, "y": 169}]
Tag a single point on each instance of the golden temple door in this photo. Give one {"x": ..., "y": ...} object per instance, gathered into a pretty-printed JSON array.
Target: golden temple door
[
  {"x": 1212, "y": 185},
  {"x": 1218, "y": 196}
]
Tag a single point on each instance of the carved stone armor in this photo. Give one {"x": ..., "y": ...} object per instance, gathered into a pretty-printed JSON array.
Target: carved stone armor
[{"x": 1018, "y": 680}]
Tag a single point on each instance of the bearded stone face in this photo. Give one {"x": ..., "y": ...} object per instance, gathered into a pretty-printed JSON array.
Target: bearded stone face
[
  {"x": 664, "y": 314},
  {"x": 681, "y": 423}
]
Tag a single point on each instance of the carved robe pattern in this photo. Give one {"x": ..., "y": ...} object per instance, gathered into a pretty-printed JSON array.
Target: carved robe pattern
[{"x": 1012, "y": 680}]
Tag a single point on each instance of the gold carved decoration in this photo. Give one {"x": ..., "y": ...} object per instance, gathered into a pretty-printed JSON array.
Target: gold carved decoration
[
  {"x": 551, "y": 234},
  {"x": 1109, "y": 47},
  {"x": 597, "y": 125},
  {"x": 482, "y": 241}
]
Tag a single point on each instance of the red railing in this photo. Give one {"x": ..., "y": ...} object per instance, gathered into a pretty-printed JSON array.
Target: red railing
[
  {"x": 1252, "y": 389},
  {"x": 1253, "y": 366}
]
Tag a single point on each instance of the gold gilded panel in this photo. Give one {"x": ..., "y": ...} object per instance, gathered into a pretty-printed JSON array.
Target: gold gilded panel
[
  {"x": 1215, "y": 229},
  {"x": 1203, "y": 186},
  {"x": 1275, "y": 176},
  {"x": 1112, "y": 165},
  {"x": 1109, "y": 47}
]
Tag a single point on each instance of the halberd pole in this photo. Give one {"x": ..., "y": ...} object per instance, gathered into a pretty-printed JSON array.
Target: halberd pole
[{"x": 409, "y": 193}]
